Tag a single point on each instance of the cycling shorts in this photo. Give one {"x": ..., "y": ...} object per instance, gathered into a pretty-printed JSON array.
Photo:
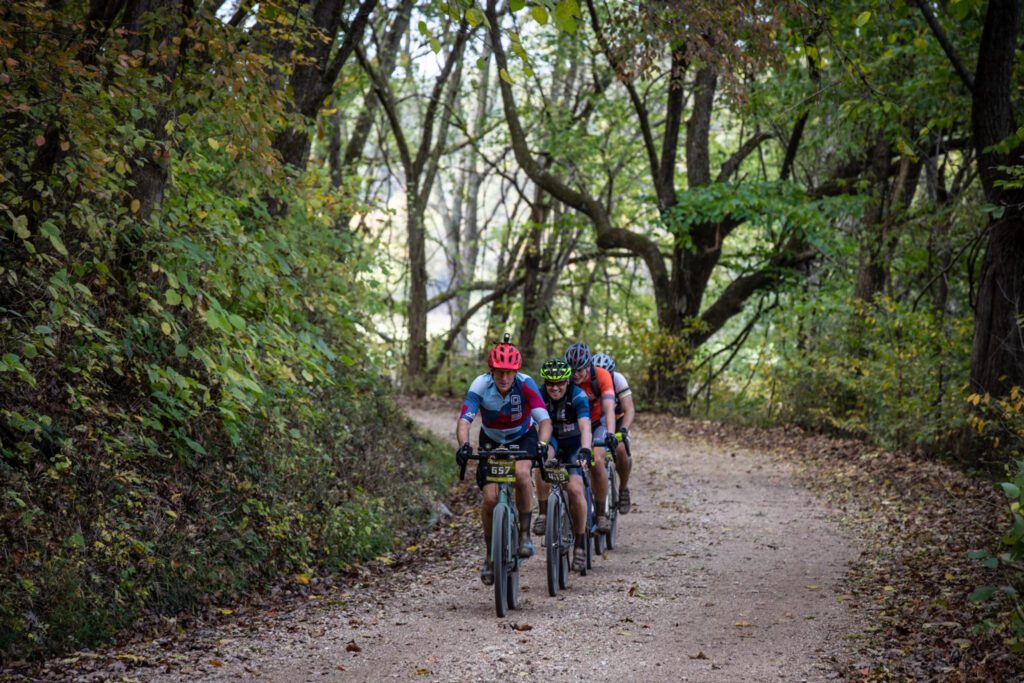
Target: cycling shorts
[{"x": 566, "y": 451}]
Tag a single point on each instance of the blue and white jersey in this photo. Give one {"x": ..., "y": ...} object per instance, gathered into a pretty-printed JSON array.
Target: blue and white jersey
[{"x": 505, "y": 418}]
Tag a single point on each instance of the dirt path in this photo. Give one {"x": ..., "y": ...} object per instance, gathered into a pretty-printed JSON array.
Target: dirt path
[{"x": 725, "y": 571}]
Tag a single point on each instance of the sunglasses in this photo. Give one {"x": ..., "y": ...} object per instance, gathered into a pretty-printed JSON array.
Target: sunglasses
[{"x": 556, "y": 384}]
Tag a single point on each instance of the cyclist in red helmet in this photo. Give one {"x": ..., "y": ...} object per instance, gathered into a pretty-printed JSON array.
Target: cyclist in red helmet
[{"x": 513, "y": 414}]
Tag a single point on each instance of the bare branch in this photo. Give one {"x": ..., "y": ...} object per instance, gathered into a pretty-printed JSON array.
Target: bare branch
[
  {"x": 746, "y": 149},
  {"x": 947, "y": 46}
]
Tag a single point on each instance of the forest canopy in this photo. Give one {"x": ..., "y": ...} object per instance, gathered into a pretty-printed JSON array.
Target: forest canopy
[{"x": 230, "y": 232}]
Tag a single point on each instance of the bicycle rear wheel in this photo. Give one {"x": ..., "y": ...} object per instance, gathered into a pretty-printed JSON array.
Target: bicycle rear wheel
[
  {"x": 553, "y": 543},
  {"x": 500, "y": 554}
]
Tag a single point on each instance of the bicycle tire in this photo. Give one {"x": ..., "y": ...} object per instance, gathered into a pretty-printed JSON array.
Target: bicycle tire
[
  {"x": 553, "y": 543},
  {"x": 598, "y": 542},
  {"x": 568, "y": 541},
  {"x": 586, "y": 543},
  {"x": 613, "y": 508},
  {"x": 500, "y": 553},
  {"x": 513, "y": 570}
]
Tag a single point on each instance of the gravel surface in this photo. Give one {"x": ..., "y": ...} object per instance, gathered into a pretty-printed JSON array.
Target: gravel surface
[{"x": 725, "y": 570}]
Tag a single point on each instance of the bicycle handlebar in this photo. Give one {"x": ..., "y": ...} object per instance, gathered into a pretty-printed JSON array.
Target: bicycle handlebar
[{"x": 485, "y": 454}]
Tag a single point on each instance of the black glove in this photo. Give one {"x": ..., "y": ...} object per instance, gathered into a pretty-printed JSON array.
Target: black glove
[
  {"x": 625, "y": 432},
  {"x": 585, "y": 456},
  {"x": 610, "y": 442},
  {"x": 462, "y": 455}
]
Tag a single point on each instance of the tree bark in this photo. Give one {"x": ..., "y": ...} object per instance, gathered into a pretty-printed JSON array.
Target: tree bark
[{"x": 997, "y": 355}]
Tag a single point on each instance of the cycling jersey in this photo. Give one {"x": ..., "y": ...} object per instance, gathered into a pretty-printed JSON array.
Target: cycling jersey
[
  {"x": 565, "y": 414},
  {"x": 621, "y": 390},
  {"x": 505, "y": 418},
  {"x": 605, "y": 387}
]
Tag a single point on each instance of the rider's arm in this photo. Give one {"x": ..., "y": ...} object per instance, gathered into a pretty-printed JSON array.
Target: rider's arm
[
  {"x": 607, "y": 398},
  {"x": 544, "y": 431},
  {"x": 462, "y": 432},
  {"x": 628, "y": 411},
  {"x": 586, "y": 438},
  {"x": 469, "y": 409}
]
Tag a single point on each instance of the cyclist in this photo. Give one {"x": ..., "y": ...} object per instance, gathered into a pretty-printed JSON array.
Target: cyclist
[
  {"x": 513, "y": 414},
  {"x": 596, "y": 383},
  {"x": 625, "y": 411},
  {"x": 570, "y": 417}
]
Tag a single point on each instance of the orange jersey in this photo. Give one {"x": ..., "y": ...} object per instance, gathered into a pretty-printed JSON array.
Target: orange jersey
[{"x": 605, "y": 388}]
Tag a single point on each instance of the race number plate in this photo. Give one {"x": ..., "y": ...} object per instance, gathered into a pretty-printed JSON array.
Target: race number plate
[
  {"x": 501, "y": 471},
  {"x": 558, "y": 474}
]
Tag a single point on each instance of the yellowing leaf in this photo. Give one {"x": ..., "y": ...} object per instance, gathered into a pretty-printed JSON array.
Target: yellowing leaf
[
  {"x": 302, "y": 578},
  {"x": 212, "y": 142},
  {"x": 224, "y": 610},
  {"x": 135, "y": 205},
  {"x": 165, "y": 328},
  {"x": 412, "y": 549},
  {"x": 863, "y": 18},
  {"x": 504, "y": 76},
  {"x": 539, "y": 14},
  {"x": 744, "y": 624}
]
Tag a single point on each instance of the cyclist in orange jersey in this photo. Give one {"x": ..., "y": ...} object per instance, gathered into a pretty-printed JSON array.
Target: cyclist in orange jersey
[{"x": 597, "y": 384}]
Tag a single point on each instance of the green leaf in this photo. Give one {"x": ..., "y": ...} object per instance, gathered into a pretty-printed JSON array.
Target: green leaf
[
  {"x": 435, "y": 45},
  {"x": 20, "y": 226},
  {"x": 76, "y": 541},
  {"x": 516, "y": 5},
  {"x": 991, "y": 562},
  {"x": 863, "y": 18},
  {"x": 977, "y": 554},
  {"x": 424, "y": 31},
  {"x": 237, "y": 321},
  {"x": 53, "y": 233},
  {"x": 194, "y": 445},
  {"x": 172, "y": 297},
  {"x": 505, "y": 77},
  {"x": 1011, "y": 490},
  {"x": 982, "y": 594},
  {"x": 474, "y": 17},
  {"x": 539, "y": 14},
  {"x": 216, "y": 321}
]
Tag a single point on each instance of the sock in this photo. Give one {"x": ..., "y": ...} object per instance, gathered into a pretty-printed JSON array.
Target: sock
[
  {"x": 524, "y": 523},
  {"x": 601, "y": 509},
  {"x": 580, "y": 540}
]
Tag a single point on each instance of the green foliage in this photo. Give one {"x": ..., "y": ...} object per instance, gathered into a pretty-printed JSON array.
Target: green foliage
[{"x": 187, "y": 405}]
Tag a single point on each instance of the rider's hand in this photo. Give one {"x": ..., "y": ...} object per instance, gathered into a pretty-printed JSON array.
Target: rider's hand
[
  {"x": 610, "y": 442},
  {"x": 542, "y": 450},
  {"x": 585, "y": 456},
  {"x": 625, "y": 432},
  {"x": 462, "y": 455}
]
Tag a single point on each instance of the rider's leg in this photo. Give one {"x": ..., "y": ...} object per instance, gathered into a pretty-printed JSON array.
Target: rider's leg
[
  {"x": 577, "y": 506},
  {"x": 490, "y": 499},
  {"x": 599, "y": 482},
  {"x": 543, "y": 491},
  {"x": 524, "y": 501},
  {"x": 623, "y": 466}
]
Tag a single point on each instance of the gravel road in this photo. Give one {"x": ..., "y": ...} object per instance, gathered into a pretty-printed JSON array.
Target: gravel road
[{"x": 726, "y": 570}]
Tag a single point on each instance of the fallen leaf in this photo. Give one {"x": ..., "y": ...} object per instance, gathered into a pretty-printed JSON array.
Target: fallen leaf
[
  {"x": 423, "y": 671},
  {"x": 303, "y": 579},
  {"x": 215, "y": 662},
  {"x": 744, "y": 624},
  {"x": 352, "y": 647},
  {"x": 699, "y": 655},
  {"x": 340, "y": 667}
]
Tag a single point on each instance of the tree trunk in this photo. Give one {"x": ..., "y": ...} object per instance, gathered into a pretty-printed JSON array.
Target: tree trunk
[{"x": 997, "y": 356}]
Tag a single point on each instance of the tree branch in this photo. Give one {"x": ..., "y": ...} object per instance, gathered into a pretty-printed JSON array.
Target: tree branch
[
  {"x": 947, "y": 46},
  {"x": 745, "y": 150}
]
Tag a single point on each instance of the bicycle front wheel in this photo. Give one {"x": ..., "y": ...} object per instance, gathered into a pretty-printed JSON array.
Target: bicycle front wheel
[
  {"x": 613, "y": 507},
  {"x": 553, "y": 542},
  {"x": 500, "y": 553}
]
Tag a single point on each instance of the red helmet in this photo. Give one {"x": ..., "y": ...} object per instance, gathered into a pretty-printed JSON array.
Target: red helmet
[{"x": 505, "y": 356}]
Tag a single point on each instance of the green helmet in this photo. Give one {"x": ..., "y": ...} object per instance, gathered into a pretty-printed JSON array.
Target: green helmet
[{"x": 555, "y": 370}]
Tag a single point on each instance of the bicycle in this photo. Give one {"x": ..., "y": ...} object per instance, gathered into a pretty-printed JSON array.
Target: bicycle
[
  {"x": 611, "y": 539},
  {"x": 501, "y": 470},
  {"x": 559, "y": 537}
]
